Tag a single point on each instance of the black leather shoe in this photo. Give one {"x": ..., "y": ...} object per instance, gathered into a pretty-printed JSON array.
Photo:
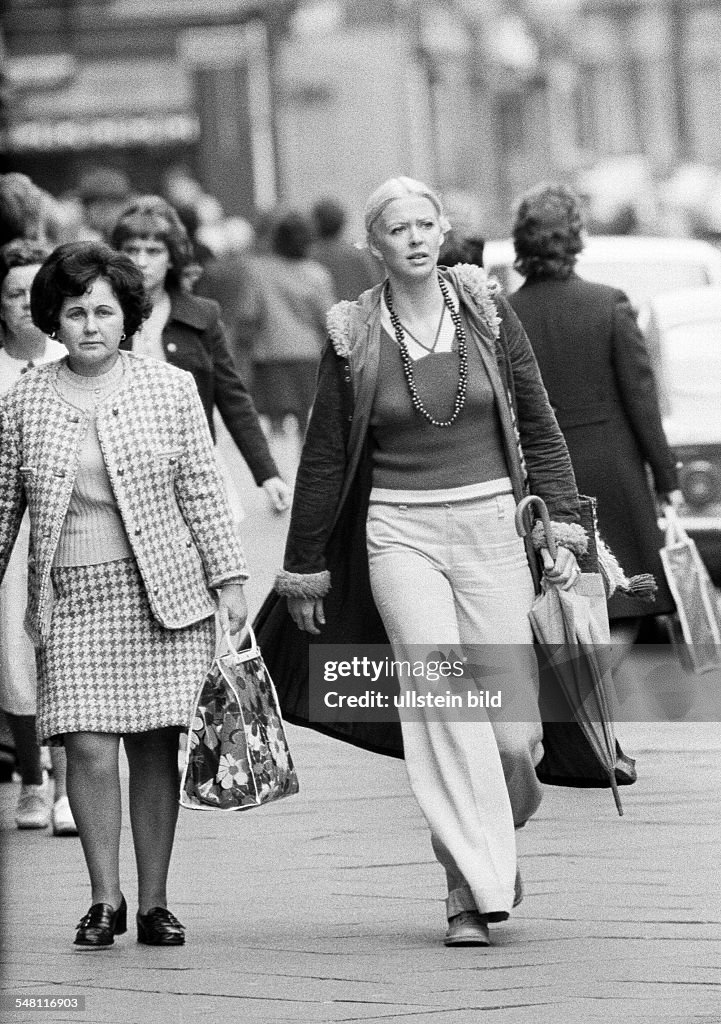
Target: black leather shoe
[
  {"x": 100, "y": 924},
  {"x": 160, "y": 928}
]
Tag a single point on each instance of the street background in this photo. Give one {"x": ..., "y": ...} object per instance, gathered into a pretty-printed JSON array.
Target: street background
[
  {"x": 267, "y": 101},
  {"x": 329, "y": 906}
]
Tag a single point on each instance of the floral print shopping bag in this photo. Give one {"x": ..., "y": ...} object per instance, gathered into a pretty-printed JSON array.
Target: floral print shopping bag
[{"x": 237, "y": 755}]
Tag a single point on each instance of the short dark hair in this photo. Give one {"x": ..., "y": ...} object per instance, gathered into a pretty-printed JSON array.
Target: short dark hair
[
  {"x": 21, "y": 252},
  {"x": 70, "y": 271},
  {"x": 328, "y": 217},
  {"x": 461, "y": 249},
  {"x": 292, "y": 236},
  {"x": 547, "y": 232},
  {"x": 154, "y": 217}
]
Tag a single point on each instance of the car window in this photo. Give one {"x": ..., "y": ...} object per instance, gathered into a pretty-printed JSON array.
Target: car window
[
  {"x": 692, "y": 380},
  {"x": 641, "y": 281}
]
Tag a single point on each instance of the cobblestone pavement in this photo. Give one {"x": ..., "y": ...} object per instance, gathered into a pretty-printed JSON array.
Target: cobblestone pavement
[{"x": 328, "y": 906}]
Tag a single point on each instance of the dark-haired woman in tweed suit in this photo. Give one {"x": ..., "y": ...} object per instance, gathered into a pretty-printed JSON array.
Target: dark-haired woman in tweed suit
[{"x": 130, "y": 536}]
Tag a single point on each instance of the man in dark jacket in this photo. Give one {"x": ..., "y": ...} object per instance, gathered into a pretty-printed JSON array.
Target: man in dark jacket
[{"x": 353, "y": 271}]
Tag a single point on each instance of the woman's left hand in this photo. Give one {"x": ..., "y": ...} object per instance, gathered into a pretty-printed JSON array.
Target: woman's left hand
[
  {"x": 278, "y": 493},
  {"x": 564, "y": 571},
  {"x": 232, "y": 608}
]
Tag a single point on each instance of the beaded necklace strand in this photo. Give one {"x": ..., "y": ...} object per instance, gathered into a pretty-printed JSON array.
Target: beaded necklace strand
[
  {"x": 407, "y": 362},
  {"x": 428, "y": 348}
]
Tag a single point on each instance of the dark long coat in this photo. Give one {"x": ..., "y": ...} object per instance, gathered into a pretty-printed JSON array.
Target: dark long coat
[
  {"x": 318, "y": 541},
  {"x": 596, "y": 368}
]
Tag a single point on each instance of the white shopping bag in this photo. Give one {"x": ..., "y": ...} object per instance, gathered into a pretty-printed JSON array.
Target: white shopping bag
[{"x": 699, "y": 616}]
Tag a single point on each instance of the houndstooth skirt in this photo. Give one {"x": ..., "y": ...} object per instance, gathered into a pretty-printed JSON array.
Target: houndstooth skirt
[{"x": 108, "y": 665}]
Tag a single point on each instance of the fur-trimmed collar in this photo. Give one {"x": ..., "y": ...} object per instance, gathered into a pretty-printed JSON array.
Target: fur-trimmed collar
[{"x": 472, "y": 283}]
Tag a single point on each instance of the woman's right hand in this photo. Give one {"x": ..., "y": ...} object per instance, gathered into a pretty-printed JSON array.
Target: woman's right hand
[
  {"x": 307, "y": 613},
  {"x": 278, "y": 493}
]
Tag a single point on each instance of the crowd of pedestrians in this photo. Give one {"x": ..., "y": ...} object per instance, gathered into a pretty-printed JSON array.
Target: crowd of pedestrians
[{"x": 428, "y": 405}]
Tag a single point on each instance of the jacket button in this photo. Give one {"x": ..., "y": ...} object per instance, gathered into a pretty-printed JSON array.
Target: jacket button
[
  {"x": 115, "y": 410},
  {"x": 172, "y": 462},
  {"x": 188, "y": 543},
  {"x": 120, "y": 470},
  {"x": 172, "y": 347},
  {"x": 350, "y": 418},
  {"x": 137, "y": 531}
]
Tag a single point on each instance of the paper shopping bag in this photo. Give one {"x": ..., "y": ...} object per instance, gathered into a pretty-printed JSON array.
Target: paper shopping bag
[{"x": 699, "y": 619}]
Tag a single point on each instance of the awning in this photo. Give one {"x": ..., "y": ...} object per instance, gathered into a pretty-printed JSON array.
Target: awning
[
  {"x": 111, "y": 104},
  {"x": 103, "y": 132}
]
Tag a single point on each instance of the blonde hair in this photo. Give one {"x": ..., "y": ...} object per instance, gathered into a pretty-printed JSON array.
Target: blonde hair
[{"x": 399, "y": 188}]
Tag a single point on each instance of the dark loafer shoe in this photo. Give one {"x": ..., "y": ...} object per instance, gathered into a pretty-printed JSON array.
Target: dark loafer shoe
[
  {"x": 467, "y": 929},
  {"x": 100, "y": 924},
  {"x": 160, "y": 928}
]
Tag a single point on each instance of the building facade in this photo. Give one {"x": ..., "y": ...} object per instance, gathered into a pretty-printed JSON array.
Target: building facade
[{"x": 293, "y": 99}]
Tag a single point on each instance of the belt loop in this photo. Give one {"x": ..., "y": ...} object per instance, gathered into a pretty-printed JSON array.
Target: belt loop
[{"x": 500, "y": 507}]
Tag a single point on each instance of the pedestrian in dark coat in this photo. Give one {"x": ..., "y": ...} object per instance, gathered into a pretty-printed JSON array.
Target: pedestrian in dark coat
[
  {"x": 353, "y": 270},
  {"x": 596, "y": 368},
  {"x": 186, "y": 331}
]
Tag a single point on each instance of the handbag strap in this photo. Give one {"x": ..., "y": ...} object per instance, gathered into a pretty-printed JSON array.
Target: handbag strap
[
  {"x": 245, "y": 633},
  {"x": 675, "y": 533}
]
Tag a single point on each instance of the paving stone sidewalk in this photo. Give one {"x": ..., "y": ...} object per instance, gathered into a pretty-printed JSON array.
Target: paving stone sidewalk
[{"x": 328, "y": 907}]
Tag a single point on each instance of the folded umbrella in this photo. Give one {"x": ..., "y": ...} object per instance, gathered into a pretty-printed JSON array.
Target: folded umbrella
[{"x": 572, "y": 631}]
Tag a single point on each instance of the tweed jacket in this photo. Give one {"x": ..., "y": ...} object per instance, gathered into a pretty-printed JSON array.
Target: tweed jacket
[
  {"x": 159, "y": 457},
  {"x": 337, "y": 435},
  {"x": 194, "y": 340}
]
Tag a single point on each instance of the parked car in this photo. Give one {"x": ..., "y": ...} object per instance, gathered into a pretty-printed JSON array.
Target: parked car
[
  {"x": 684, "y": 338},
  {"x": 642, "y": 267}
]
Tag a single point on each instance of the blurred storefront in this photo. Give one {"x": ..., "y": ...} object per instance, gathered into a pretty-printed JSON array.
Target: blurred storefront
[{"x": 142, "y": 86}]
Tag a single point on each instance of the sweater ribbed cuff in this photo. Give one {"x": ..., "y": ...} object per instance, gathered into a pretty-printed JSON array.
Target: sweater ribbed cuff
[{"x": 302, "y": 584}]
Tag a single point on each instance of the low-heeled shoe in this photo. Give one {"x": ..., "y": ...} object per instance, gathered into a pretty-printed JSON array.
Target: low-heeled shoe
[
  {"x": 467, "y": 929},
  {"x": 160, "y": 928},
  {"x": 101, "y": 924}
]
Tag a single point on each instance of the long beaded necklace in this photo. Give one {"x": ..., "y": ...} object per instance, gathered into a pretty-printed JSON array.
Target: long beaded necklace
[{"x": 407, "y": 362}]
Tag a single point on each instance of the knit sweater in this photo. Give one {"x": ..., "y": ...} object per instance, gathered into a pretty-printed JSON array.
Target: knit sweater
[
  {"x": 409, "y": 453},
  {"x": 93, "y": 530}
]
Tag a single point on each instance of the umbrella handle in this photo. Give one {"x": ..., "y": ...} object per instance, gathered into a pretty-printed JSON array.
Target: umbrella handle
[{"x": 522, "y": 527}]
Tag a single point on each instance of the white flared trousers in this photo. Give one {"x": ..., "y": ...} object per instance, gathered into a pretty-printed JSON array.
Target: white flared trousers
[{"x": 442, "y": 576}]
